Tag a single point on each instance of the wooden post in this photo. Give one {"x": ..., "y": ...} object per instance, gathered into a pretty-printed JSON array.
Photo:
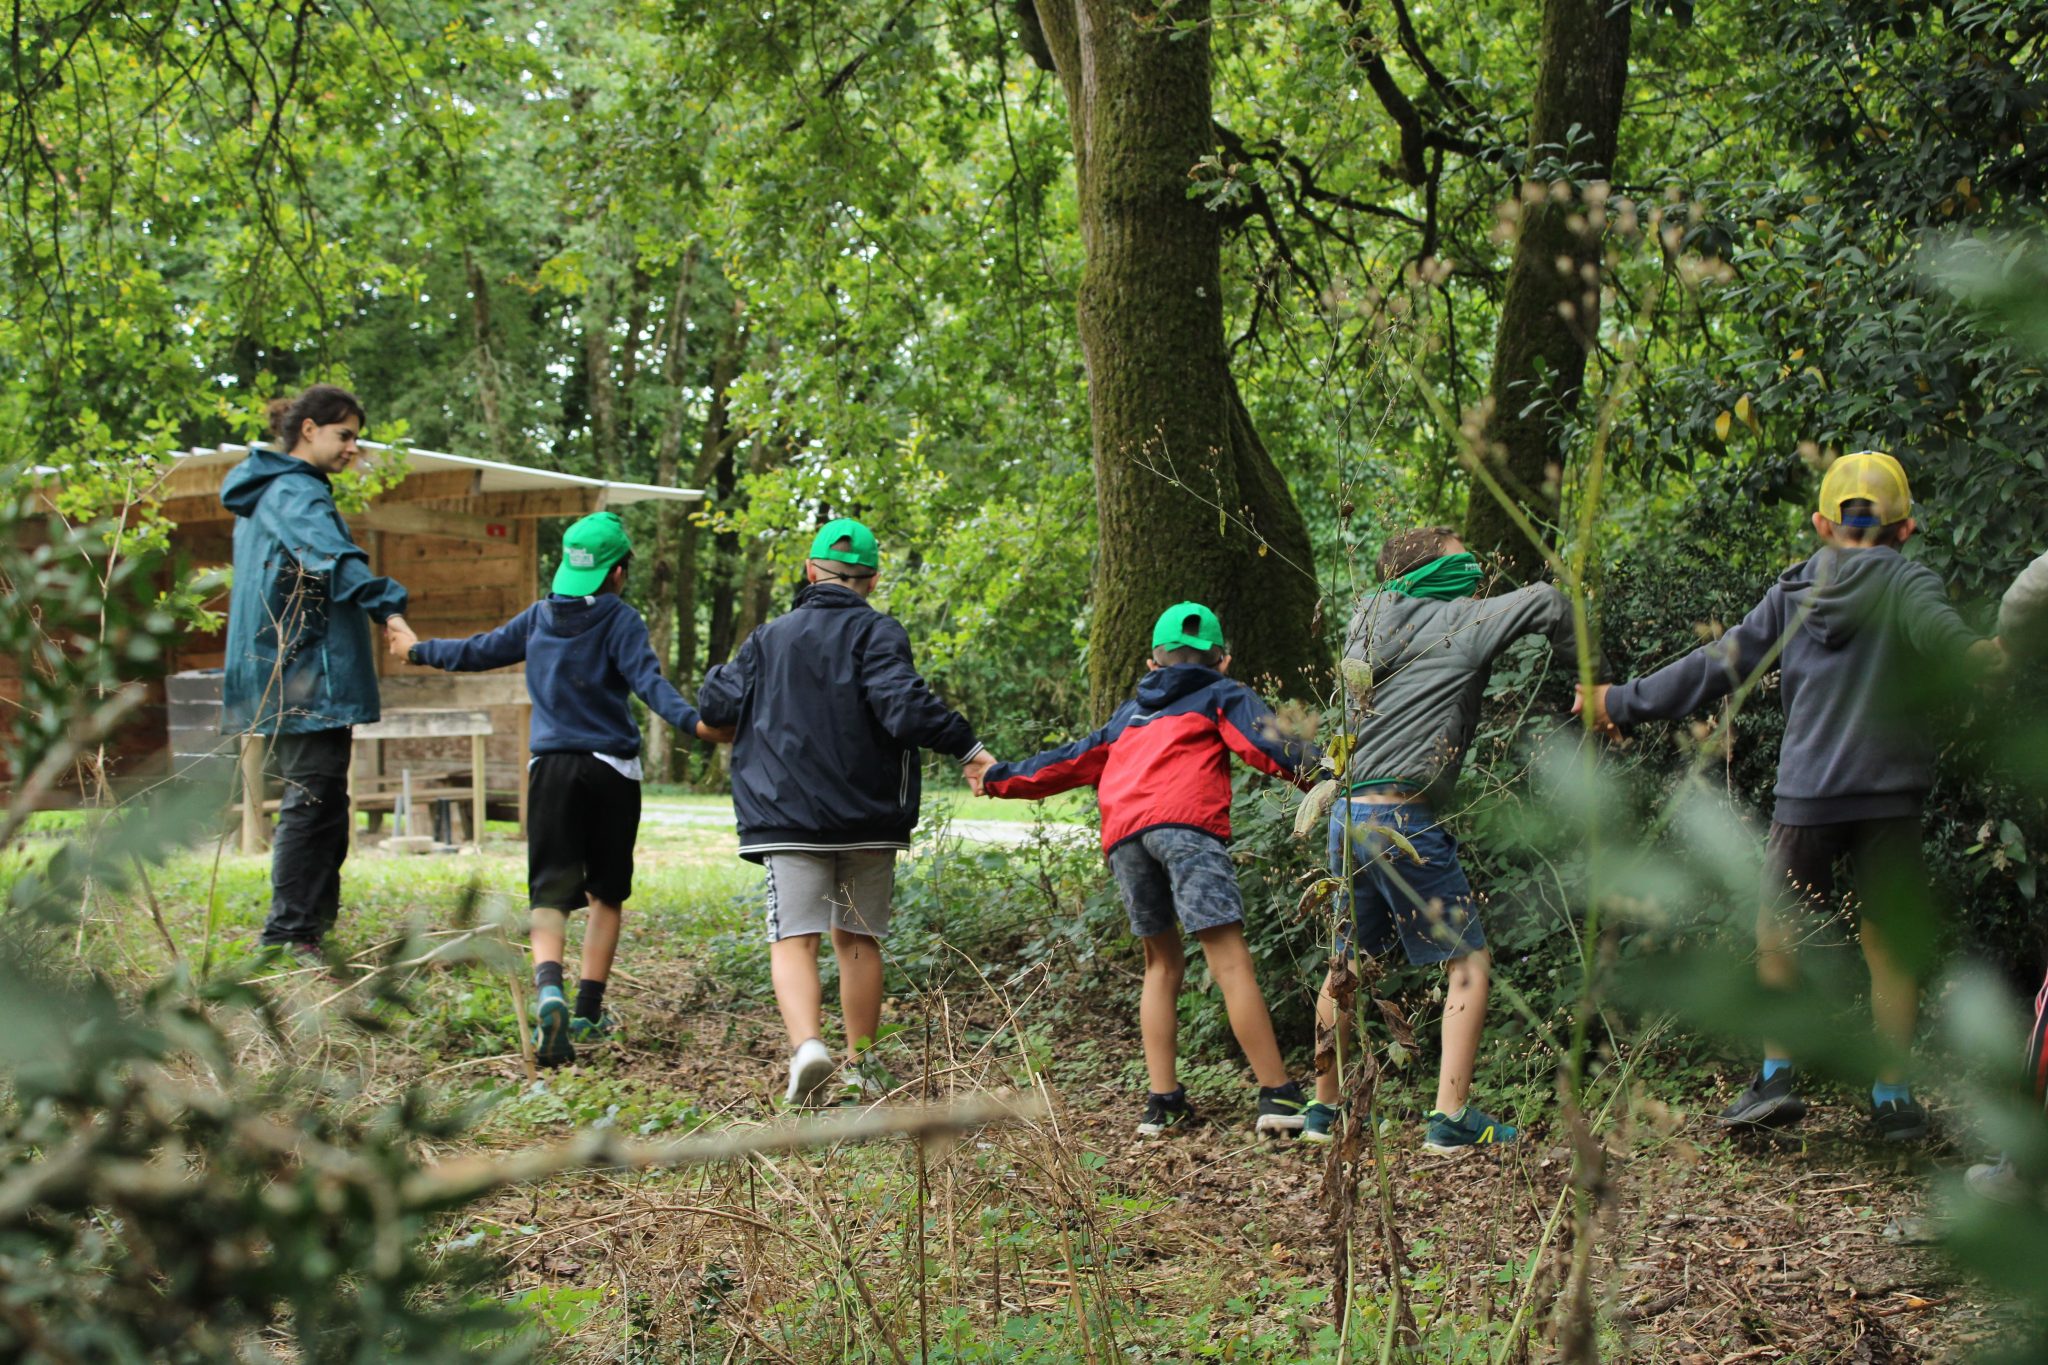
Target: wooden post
[
  {"x": 477, "y": 793},
  {"x": 252, "y": 794}
]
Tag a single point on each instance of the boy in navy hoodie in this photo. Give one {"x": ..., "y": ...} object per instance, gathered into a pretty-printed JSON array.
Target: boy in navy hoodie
[
  {"x": 585, "y": 650},
  {"x": 1846, "y": 629},
  {"x": 1161, "y": 769}
]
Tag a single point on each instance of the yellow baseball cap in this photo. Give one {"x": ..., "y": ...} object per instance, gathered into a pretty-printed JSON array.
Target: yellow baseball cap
[{"x": 1867, "y": 476}]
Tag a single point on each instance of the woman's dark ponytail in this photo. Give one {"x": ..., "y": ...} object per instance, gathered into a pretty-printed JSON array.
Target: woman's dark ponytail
[{"x": 323, "y": 403}]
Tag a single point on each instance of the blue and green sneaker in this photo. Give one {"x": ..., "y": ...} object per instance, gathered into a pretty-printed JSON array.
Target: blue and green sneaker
[
  {"x": 1471, "y": 1127},
  {"x": 587, "y": 1032},
  {"x": 1319, "y": 1123},
  {"x": 551, "y": 1045}
]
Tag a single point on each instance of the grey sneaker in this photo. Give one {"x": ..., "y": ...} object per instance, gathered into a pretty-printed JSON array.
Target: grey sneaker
[
  {"x": 1765, "y": 1104},
  {"x": 1997, "y": 1180}
]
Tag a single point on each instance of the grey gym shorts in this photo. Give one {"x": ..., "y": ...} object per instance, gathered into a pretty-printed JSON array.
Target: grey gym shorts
[{"x": 814, "y": 893}]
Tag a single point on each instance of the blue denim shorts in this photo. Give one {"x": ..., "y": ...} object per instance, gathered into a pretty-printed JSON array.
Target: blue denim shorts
[
  {"x": 1172, "y": 873},
  {"x": 1428, "y": 905}
]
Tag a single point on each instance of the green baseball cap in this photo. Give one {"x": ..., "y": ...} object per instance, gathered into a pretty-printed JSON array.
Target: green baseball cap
[
  {"x": 1187, "y": 625},
  {"x": 590, "y": 548},
  {"x": 860, "y": 543}
]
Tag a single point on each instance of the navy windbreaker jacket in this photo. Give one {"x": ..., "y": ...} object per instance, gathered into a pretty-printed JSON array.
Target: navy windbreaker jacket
[
  {"x": 1164, "y": 757},
  {"x": 583, "y": 655},
  {"x": 830, "y": 714}
]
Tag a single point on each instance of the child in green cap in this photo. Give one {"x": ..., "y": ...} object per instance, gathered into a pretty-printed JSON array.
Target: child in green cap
[
  {"x": 586, "y": 651},
  {"x": 1161, "y": 770},
  {"x": 828, "y": 714}
]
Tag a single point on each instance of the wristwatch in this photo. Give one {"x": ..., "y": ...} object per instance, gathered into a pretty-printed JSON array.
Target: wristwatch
[{"x": 412, "y": 653}]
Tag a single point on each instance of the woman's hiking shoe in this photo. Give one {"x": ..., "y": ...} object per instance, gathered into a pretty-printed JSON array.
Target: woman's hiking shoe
[
  {"x": 1472, "y": 1127},
  {"x": 1997, "y": 1180},
  {"x": 551, "y": 1045},
  {"x": 1166, "y": 1113},
  {"x": 1280, "y": 1108},
  {"x": 1900, "y": 1120},
  {"x": 810, "y": 1071},
  {"x": 588, "y": 1032},
  {"x": 1768, "y": 1103},
  {"x": 1319, "y": 1123}
]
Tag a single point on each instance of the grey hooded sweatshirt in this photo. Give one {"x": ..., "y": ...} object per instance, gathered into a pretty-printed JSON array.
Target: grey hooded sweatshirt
[
  {"x": 1429, "y": 660},
  {"x": 1855, "y": 623}
]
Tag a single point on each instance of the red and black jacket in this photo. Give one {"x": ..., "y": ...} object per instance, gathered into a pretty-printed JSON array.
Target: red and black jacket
[{"x": 1164, "y": 757}]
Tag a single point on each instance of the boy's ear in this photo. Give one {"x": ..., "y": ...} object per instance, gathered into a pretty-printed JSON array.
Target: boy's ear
[
  {"x": 1151, "y": 664},
  {"x": 1906, "y": 530},
  {"x": 1823, "y": 528},
  {"x": 1223, "y": 664}
]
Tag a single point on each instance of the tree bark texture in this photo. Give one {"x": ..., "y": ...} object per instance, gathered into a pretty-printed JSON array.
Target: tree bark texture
[
  {"x": 1550, "y": 316},
  {"x": 668, "y": 516},
  {"x": 1189, "y": 504}
]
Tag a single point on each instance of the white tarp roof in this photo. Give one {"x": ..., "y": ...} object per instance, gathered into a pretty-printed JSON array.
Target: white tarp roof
[{"x": 495, "y": 476}]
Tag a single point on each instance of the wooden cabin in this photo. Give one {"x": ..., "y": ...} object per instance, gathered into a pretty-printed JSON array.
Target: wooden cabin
[{"x": 463, "y": 536}]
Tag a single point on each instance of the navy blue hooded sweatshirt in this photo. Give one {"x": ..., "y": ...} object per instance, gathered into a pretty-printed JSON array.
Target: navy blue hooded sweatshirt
[
  {"x": 583, "y": 655},
  {"x": 831, "y": 713},
  {"x": 1856, "y": 625}
]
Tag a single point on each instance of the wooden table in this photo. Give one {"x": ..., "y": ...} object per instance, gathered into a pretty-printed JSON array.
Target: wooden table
[{"x": 427, "y": 723}]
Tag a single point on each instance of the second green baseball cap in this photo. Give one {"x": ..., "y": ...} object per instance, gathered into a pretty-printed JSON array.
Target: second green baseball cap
[
  {"x": 860, "y": 547},
  {"x": 1187, "y": 625},
  {"x": 589, "y": 549}
]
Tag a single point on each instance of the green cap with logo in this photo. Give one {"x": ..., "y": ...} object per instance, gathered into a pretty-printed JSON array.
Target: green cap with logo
[
  {"x": 1187, "y": 625},
  {"x": 860, "y": 547},
  {"x": 590, "y": 548}
]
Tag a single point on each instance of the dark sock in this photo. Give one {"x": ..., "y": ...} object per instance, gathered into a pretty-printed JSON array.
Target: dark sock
[
  {"x": 547, "y": 974},
  {"x": 590, "y": 999}
]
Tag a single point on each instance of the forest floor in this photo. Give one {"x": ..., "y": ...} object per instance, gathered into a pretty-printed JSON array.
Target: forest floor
[{"x": 1067, "y": 1237}]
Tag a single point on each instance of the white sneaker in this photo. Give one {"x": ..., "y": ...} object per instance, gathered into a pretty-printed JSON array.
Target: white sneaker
[
  {"x": 810, "y": 1068},
  {"x": 1997, "y": 1180}
]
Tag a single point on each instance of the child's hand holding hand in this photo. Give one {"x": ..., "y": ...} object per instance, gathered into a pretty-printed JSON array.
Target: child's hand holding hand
[
  {"x": 716, "y": 734},
  {"x": 398, "y": 636},
  {"x": 975, "y": 768},
  {"x": 1603, "y": 724}
]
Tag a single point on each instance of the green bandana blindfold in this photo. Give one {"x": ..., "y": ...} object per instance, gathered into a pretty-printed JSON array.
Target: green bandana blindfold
[{"x": 1441, "y": 579}]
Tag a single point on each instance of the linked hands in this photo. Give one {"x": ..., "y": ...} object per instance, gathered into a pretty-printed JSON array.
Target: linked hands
[
  {"x": 1603, "y": 724},
  {"x": 976, "y": 768},
  {"x": 398, "y": 636},
  {"x": 716, "y": 734}
]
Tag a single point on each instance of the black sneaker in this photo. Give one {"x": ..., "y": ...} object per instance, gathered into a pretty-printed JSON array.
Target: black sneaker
[
  {"x": 1166, "y": 1114},
  {"x": 1900, "y": 1120},
  {"x": 1766, "y": 1104},
  {"x": 1280, "y": 1108}
]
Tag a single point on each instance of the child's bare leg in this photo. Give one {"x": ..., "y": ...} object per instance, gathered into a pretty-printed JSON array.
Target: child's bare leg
[
  {"x": 860, "y": 987},
  {"x": 1776, "y": 965},
  {"x": 1464, "y": 1021},
  {"x": 1328, "y": 1087},
  {"x": 600, "y": 940},
  {"x": 793, "y": 967},
  {"x": 1166, "y": 964},
  {"x": 1230, "y": 962},
  {"x": 548, "y": 932},
  {"x": 1894, "y": 996}
]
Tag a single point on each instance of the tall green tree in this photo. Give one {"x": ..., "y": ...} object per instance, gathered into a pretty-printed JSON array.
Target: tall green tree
[{"x": 1189, "y": 504}]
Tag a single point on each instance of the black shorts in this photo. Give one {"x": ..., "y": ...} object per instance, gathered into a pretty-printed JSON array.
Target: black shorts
[
  {"x": 582, "y": 819},
  {"x": 1887, "y": 870}
]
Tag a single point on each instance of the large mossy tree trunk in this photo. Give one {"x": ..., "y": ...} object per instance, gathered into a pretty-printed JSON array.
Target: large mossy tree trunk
[
  {"x": 1551, "y": 313},
  {"x": 1189, "y": 505}
]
